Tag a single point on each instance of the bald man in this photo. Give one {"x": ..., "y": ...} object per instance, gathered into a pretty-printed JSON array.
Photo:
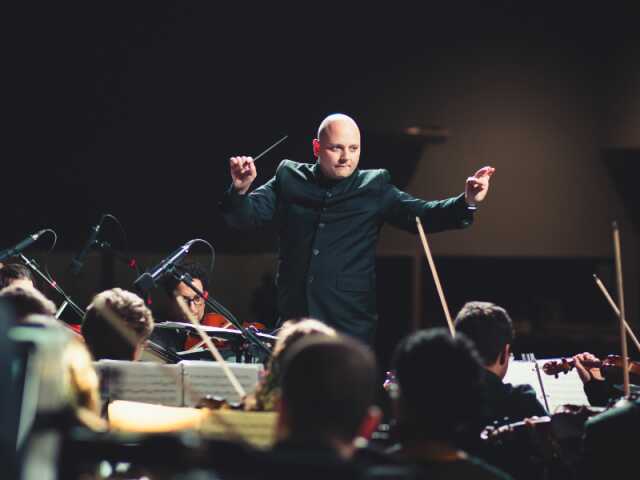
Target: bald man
[{"x": 329, "y": 216}]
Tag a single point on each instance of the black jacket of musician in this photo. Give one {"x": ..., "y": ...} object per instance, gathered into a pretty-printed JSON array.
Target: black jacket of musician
[{"x": 328, "y": 232}]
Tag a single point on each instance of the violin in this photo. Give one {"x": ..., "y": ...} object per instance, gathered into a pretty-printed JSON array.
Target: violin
[
  {"x": 552, "y": 443},
  {"x": 611, "y": 368}
]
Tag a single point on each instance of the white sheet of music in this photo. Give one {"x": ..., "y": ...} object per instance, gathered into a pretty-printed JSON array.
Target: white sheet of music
[
  {"x": 207, "y": 378},
  {"x": 523, "y": 372},
  {"x": 141, "y": 382},
  {"x": 566, "y": 389}
]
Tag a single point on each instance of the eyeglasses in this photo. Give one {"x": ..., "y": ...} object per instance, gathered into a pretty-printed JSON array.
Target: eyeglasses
[{"x": 196, "y": 300}]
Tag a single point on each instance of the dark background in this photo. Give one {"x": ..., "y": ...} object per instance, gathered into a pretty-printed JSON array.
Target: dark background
[{"x": 133, "y": 108}]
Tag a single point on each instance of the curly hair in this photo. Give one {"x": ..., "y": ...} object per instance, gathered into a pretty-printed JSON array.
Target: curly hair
[
  {"x": 265, "y": 397},
  {"x": 116, "y": 323}
]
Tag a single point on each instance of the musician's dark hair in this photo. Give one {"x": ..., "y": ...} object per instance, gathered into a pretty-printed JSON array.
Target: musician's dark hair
[
  {"x": 104, "y": 339},
  {"x": 488, "y": 326},
  {"x": 14, "y": 271},
  {"x": 192, "y": 268},
  {"x": 439, "y": 383},
  {"x": 328, "y": 385}
]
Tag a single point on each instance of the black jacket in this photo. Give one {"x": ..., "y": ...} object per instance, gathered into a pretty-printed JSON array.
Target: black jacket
[{"x": 328, "y": 232}]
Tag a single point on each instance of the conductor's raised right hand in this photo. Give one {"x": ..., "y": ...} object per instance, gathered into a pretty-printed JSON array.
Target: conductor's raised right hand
[{"x": 243, "y": 173}]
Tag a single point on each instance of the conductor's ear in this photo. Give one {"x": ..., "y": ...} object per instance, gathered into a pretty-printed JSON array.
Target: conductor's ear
[{"x": 316, "y": 147}]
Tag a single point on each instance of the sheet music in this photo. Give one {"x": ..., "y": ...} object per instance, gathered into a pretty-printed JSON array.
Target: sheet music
[
  {"x": 207, "y": 378},
  {"x": 523, "y": 372},
  {"x": 566, "y": 389},
  {"x": 141, "y": 382}
]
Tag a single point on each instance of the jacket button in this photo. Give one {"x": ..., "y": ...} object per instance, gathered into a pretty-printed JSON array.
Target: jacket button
[
  {"x": 321, "y": 225},
  {"x": 316, "y": 251},
  {"x": 310, "y": 278}
]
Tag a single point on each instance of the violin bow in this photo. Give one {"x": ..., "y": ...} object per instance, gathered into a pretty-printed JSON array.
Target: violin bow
[
  {"x": 623, "y": 321},
  {"x": 212, "y": 348},
  {"x": 615, "y": 309},
  {"x": 436, "y": 279}
]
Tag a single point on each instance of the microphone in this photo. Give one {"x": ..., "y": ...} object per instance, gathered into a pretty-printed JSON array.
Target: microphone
[
  {"x": 78, "y": 261},
  {"x": 17, "y": 249},
  {"x": 148, "y": 279}
]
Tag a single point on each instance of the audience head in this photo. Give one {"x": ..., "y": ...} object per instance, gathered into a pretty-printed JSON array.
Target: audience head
[
  {"x": 267, "y": 393},
  {"x": 328, "y": 386},
  {"x": 26, "y": 300},
  {"x": 439, "y": 385}
]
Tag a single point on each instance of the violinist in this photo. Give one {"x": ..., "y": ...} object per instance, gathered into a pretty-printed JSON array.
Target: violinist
[
  {"x": 12, "y": 273},
  {"x": 196, "y": 304},
  {"x": 490, "y": 328}
]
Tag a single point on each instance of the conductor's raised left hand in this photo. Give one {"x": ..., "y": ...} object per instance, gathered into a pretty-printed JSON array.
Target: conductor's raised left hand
[{"x": 476, "y": 187}]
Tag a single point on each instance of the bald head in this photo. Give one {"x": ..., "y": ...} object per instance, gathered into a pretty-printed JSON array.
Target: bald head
[
  {"x": 337, "y": 146},
  {"x": 337, "y": 121}
]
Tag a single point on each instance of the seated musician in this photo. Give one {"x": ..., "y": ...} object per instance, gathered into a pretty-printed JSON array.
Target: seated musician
[
  {"x": 26, "y": 300},
  {"x": 179, "y": 289},
  {"x": 116, "y": 325},
  {"x": 598, "y": 391},
  {"x": 431, "y": 420},
  {"x": 173, "y": 342},
  {"x": 267, "y": 393},
  {"x": 328, "y": 386},
  {"x": 490, "y": 328},
  {"x": 15, "y": 273}
]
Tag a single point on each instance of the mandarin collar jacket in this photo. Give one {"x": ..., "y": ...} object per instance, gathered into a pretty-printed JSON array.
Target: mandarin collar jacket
[{"x": 328, "y": 232}]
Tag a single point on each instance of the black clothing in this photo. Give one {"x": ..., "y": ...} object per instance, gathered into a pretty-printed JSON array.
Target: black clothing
[
  {"x": 600, "y": 393},
  {"x": 328, "y": 232},
  {"x": 506, "y": 403},
  {"x": 471, "y": 467},
  {"x": 609, "y": 442}
]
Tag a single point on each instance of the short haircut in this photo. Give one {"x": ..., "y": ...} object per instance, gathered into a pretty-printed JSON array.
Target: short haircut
[
  {"x": 488, "y": 326},
  {"x": 106, "y": 340},
  {"x": 14, "y": 271},
  {"x": 194, "y": 269},
  {"x": 26, "y": 300},
  {"x": 328, "y": 385},
  {"x": 440, "y": 385}
]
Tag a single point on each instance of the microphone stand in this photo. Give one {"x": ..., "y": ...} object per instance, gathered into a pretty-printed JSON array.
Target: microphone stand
[
  {"x": 67, "y": 300},
  {"x": 218, "y": 308}
]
